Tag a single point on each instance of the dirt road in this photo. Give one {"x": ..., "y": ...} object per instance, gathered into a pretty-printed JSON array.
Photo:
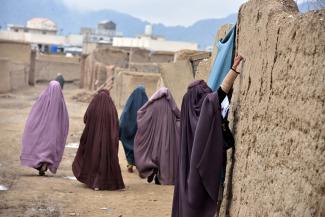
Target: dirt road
[{"x": 55, "y": 195}]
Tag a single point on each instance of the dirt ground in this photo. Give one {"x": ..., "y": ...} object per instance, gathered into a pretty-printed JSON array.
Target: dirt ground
[{"x": 54, "y": 195}]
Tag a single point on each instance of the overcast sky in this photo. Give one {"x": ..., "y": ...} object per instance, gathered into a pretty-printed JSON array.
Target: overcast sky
[{"x": 169, "y": 12}]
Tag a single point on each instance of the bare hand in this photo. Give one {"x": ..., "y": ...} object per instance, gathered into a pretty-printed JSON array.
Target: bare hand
[{"x": 237, "y": 61}]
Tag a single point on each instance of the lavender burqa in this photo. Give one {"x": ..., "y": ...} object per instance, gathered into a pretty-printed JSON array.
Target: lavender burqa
[
  {"x": 46, "y": 130},
  {"x": 156, "y": 144},
  {"x": 196, "y": 189}
]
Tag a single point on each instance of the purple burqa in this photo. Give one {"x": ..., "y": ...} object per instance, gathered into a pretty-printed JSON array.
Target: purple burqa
[
  {"x": 46, "y": 130},
  {"x": 196, "y": 189},
  {"x": 156, "y": 144}
]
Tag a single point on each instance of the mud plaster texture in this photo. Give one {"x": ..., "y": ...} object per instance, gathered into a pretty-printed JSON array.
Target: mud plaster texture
[
  {"x": 17, "y": 52},
  {"x": 278, "y": 114},
  {"x": 126, "y": 81},
  {"x": 94, "y": 66},
  {"x": 176, "y": 77},
  {"x": 5, "y": 76},
  {"x": 14, "y": 65},
  {"x": 48, "y": 66}
]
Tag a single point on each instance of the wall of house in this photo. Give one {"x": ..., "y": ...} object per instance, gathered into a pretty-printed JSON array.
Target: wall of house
[
  {"x": 278, "y": 113},
  {"x": 15, "y": 65}
]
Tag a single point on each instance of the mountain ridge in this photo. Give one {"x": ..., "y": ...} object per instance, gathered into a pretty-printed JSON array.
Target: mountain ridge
[{"x": 70, "y": 21}]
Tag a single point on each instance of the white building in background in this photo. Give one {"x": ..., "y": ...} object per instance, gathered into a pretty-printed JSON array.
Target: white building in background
[
  {"x": 42, "y": 34},
  {"x": 153, "y": 43},
  {"x": 41, "y": 26},
  {"x": 104, "y": 33},
  {"x": 148, "y": 30}
]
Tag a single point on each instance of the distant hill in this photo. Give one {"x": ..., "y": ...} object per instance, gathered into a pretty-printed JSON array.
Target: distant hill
[
  {"x": 310, "y": 5},
  {"x": 70, "y": 21}
]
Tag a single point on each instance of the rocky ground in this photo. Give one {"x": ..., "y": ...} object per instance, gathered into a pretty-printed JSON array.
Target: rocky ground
[{"x": 57, "y": 195}]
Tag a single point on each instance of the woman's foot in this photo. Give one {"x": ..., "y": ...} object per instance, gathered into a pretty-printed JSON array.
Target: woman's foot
[
  {"x": 130, "y": 168},
  {"x": 157, "y": 180},
  {"x": 150, "y": 178},
  {"x": 43, "y": 169}
]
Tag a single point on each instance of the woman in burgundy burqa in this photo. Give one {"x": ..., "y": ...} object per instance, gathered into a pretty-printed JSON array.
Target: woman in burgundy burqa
[
  {"x": 96, "y": 163},
  {"x": 201, "y": 149}
]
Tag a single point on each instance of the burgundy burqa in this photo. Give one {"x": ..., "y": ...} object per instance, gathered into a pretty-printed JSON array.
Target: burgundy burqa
[
  {"x": 197, "y": 186},
  {"x": 96, "y": 163},
  {"x": 156, "y": 144}
]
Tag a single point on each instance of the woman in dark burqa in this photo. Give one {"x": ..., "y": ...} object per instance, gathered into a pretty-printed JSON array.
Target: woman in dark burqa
[
  {"x": 59, "y": 78},
  {"x": 156, "y": 143},
  {"x": 201, "y": 149},
  {"x": 128, "y": 123},
  {"x": 96, "y": 163}
]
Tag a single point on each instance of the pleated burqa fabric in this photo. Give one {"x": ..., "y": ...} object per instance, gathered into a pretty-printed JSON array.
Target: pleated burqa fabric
[
  {"x": 46, "y": 130},
  {"x": 96, "y": 163},
  {"x": 128, "y": 121},
  {"x": 156, "y": 143},
  {"x": 196, "y": 189}
]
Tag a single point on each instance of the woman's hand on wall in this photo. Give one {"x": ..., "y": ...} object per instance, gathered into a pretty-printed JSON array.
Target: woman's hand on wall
[{"x": 237, "y": 61}]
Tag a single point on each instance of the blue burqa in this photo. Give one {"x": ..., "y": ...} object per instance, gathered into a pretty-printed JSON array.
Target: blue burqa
[
  {"x": 223, "y": 60},
  {"x": 128, "y": 121}
]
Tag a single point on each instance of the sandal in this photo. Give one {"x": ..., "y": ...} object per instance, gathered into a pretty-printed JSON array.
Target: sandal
[
  {"x": 157, "y": 180},
  {"x": 130, "y": 168},
  {"x": 43, "y": 169},
  {"x": 150, "y": 178}
]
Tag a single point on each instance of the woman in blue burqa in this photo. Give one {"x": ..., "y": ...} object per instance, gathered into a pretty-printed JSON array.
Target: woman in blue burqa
[{"x": 128, "y": 123}]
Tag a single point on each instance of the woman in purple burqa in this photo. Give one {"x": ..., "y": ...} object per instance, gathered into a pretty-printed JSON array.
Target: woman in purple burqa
[
  {"x": 156, "y": 144},
  {"x": 201, "y": 155},
  {"x": 46, "y": 131}
]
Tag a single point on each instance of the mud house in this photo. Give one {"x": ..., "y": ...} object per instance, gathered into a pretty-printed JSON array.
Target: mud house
[
  {"x": 43, "y": 49},
  {"x": 42, "y": 34},
  {"x": 278, "y": 113},
  {"x": 114, "y": 65},
  {"x": 127, "y": 62},
  {"x": 15, "y": 65},
  {"x": 153, "y": 69}
]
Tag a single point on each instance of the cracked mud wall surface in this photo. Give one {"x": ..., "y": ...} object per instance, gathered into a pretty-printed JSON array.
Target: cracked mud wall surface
[
  {"x": 278, "y": 113},
  {"x": 48, "y": 66},
  {"x": 14, "y": 65}
]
